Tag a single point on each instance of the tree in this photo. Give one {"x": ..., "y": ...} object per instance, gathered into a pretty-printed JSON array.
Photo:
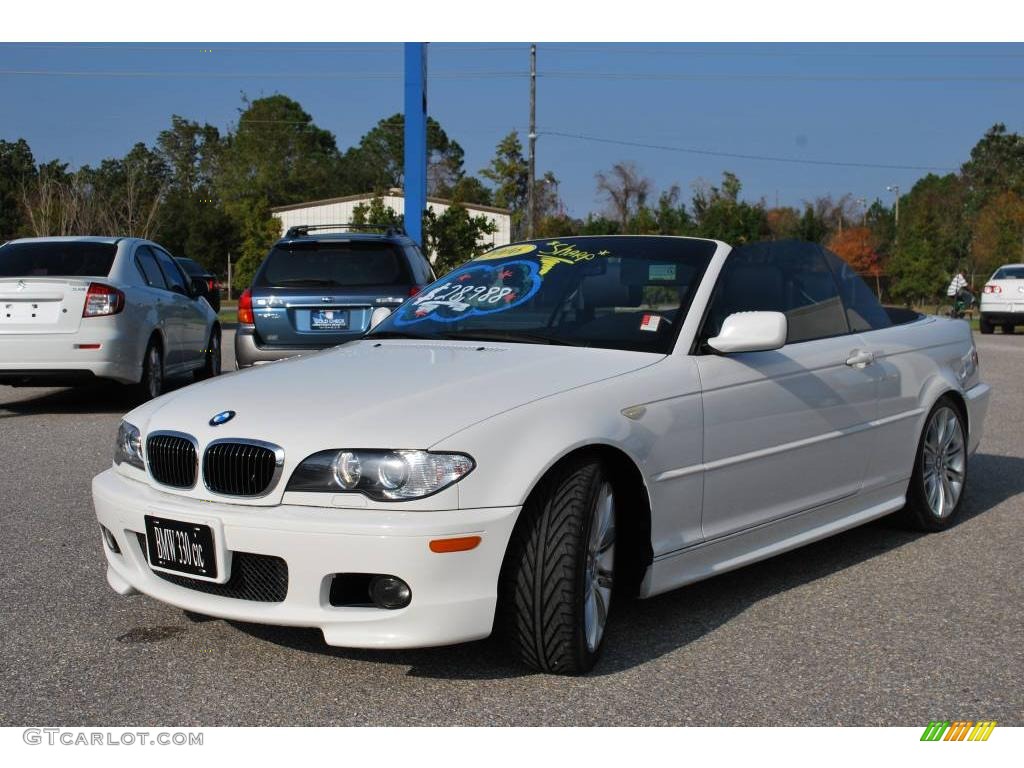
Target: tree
[
  {"x": 454, "y": 237},
  {"x": 998, "y": 233},
  {"x": 193, "y": 223},
  {"x": 276, "y": 156},
  {"x": 856, "y": 246},
  {"x": 720, "y": 214},
  {"x": 510, "y": 175},
  {"x": 377, "y": 163},
  {"x": 128, "y": 192},
  {"x": 996, "y": 165},
  {"x": 625, "y": 190},
  {"x": 376, "y": 213},
  {"x": 17, "y": 168},
  {"x": 783, "y": 223}
]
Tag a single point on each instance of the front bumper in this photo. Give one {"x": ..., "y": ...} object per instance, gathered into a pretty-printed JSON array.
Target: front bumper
[{"x": 453, "y": 594}]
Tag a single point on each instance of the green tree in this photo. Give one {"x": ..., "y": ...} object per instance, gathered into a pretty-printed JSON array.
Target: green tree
[
  {"x": 17, "y": 169},
  {"x": 510, "y": 175},
  {"x": 193, "y": 223},
  {"x": 376, "y": 213},
  {"x": 454, "y": 237},
  {"x": 720, "y": 214},
  {"x": 998, "y": 233},
  {"x": 996, "y": 165}
]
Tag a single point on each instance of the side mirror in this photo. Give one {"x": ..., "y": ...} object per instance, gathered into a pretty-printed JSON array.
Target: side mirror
[
  {"x": 751, "y": 332},
  {"x": 378, "y": 316}
]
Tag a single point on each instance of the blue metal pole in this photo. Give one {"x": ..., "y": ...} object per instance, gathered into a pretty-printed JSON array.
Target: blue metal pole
[{"x": 415, "y": 139}]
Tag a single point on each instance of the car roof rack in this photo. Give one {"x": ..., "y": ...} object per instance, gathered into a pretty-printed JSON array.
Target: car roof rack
[{"x": 389, "y": 230}]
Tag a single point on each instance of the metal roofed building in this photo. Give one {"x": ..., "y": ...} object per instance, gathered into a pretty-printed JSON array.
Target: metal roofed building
[{"x": 339, "y": 210}]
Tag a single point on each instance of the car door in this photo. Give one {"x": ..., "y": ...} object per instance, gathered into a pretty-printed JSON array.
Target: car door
[
  {"x": 165, "y": 301},
  {"x": 188, "y": 311},
  {"x": 784, "y": 430}
]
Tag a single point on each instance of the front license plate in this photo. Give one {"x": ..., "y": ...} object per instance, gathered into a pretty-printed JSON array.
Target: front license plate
[
  {"x": 181, "y": 547},
  {"x": 328, "y": 319}
]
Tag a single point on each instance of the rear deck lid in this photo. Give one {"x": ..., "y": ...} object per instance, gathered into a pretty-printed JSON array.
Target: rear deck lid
[{"x": 43, "y": 284}]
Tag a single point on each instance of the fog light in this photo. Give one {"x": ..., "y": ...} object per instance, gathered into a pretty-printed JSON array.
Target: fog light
[
  {"x": 390, "y": 592},
  {"x": 111, "y": 542}
]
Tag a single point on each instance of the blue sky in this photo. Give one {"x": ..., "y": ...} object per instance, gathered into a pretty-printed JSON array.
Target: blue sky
[{"x": 892, "y": 104}]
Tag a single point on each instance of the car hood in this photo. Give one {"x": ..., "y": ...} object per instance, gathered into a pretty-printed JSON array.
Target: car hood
[{"x": 382, "y": 394}]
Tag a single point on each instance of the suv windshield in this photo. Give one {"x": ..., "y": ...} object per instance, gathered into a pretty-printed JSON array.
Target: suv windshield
[
  {"x": 1009, "y": 273},
  {"x": 57, "y": 259},
  {"x": 311, "y": 263},
  {"x": 628, "y": 293}
]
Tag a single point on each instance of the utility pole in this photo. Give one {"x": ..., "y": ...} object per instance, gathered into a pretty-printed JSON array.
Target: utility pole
[
  {"x": 229, "y": 276},
  {"x": 895, "y": 189},
  {"x": 530, "y": 202}
]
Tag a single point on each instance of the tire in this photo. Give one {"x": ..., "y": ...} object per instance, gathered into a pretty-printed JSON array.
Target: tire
[
  {"x": 1008, "y": 328},
  {"x": 929, "y": 507},
  {"x": 152, "y": 383},
  {"x": 558, "y": 576},
  {"x": 212, "y": 363},
  {"x": 984, "y": 326}
]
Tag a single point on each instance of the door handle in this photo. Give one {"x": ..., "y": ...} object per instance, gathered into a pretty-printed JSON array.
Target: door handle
[{"x": 861, "y": 359}]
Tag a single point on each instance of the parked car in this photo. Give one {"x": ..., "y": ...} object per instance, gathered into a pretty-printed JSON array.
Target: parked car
[
  {"x": 318, "y": 289},
  {"x": 551, "y": 428},
  {"x": 1002, "y": 299},
  {"x": 203, "y": 279},
  {"x": 78, "y": 309}
]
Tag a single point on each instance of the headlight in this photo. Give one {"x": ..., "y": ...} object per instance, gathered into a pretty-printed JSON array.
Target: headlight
[
  {"x": 129, "y": 446},
  {"x": 381, "y": 475}
]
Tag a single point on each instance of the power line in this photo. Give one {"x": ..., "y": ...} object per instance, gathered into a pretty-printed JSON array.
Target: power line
[
  {"x": 583, "y": 75},
  {"x": 446, "y": 75},
  {"x": 680, "y": 51},
  {"x": 742, "y": 156}
]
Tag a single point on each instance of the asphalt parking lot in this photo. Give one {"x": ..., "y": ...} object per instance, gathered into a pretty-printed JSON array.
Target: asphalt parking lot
[{"x": 877, "y": 626}]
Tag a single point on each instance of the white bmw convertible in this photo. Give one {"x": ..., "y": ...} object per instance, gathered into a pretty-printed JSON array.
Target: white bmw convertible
[{"x": 545, "y": 431}]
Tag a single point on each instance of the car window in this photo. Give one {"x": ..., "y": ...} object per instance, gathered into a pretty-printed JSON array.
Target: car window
[
  {"x": 172, "y": 272},
  {"x": 191, "y": 268},
  {"x": 783, "y": 276},
  {"x": 310, "y": 263},
  {"x": 150, "y": 271},
  {"x": 57, "y": 258},
  {"x": 863, "y": 311},
  {"x": 1009, "y": 273},
  {"x": 629, "y": 293}
]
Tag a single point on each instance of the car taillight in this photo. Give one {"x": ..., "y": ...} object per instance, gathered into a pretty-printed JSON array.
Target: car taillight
[
  {"x": 245, "y": 308},
  {"x": 415, "y": 289},
  {"x": 102, "y": 300},
  {"x": 993, "y": 289},
  {"x": 211, "y": 284}
]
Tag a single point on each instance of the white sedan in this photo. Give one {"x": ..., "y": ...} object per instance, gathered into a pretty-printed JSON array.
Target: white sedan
[
  {"x": 1002, "y": 299},
  {"x": 545, "y": 431},
  {"x": 78, "y": 309}
]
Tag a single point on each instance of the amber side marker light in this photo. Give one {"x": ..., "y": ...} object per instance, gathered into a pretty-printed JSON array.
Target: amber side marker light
[{"x": 460, "y": 544}]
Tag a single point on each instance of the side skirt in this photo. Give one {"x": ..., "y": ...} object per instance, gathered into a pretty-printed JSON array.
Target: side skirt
[{"x": 710, "y": 558}]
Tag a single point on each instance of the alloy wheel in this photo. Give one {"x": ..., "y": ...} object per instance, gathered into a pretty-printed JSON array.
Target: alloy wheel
[
  {"x": 944, "y": 462},
  {"x": 600, "y": 566}
]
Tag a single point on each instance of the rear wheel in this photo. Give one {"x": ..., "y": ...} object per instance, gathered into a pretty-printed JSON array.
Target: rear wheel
[
  {"x": 937, "y": 486},
  {"x": 557, "y": 581},
  {"x": 212, "y": 363},
  {"x": 1008, "y": 328},
  {"x": 984, "y": 325},
  {"x": 152, "y": 382}
]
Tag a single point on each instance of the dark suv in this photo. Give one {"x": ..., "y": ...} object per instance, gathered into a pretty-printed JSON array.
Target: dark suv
[{"x": 319, "y": 290}]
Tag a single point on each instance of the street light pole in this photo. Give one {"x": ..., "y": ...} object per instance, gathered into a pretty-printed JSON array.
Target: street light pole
[{"x": 895, "y": 189}]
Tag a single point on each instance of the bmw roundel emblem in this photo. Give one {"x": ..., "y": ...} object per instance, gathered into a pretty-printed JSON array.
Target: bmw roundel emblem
[{"x": 222, "y": 418}]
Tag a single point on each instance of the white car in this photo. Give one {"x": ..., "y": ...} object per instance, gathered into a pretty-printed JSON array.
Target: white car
[
  {"x": 1002, "y": 299},
  {"x": 550, "y": 428},
  {"x": 77, "y": 309}
]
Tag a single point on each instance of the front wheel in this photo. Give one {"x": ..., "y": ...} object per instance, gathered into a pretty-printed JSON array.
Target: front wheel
[
  {"x": 558, "y": 578},
  {"x": 937, "y": 485}
]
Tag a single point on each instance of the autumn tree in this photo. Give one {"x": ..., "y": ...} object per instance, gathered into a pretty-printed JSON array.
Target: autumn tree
[
  {"x": 856, "y": 246},
  {"x": 998, "y": 233}
]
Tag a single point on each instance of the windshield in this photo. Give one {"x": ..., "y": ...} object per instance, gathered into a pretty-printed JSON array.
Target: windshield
[
  {"x": 57, "y": 259},
  {"x": 628, "y": 293},
  {"x": 330, "y": 264},
  {"x": 1009, "y": 273}
]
